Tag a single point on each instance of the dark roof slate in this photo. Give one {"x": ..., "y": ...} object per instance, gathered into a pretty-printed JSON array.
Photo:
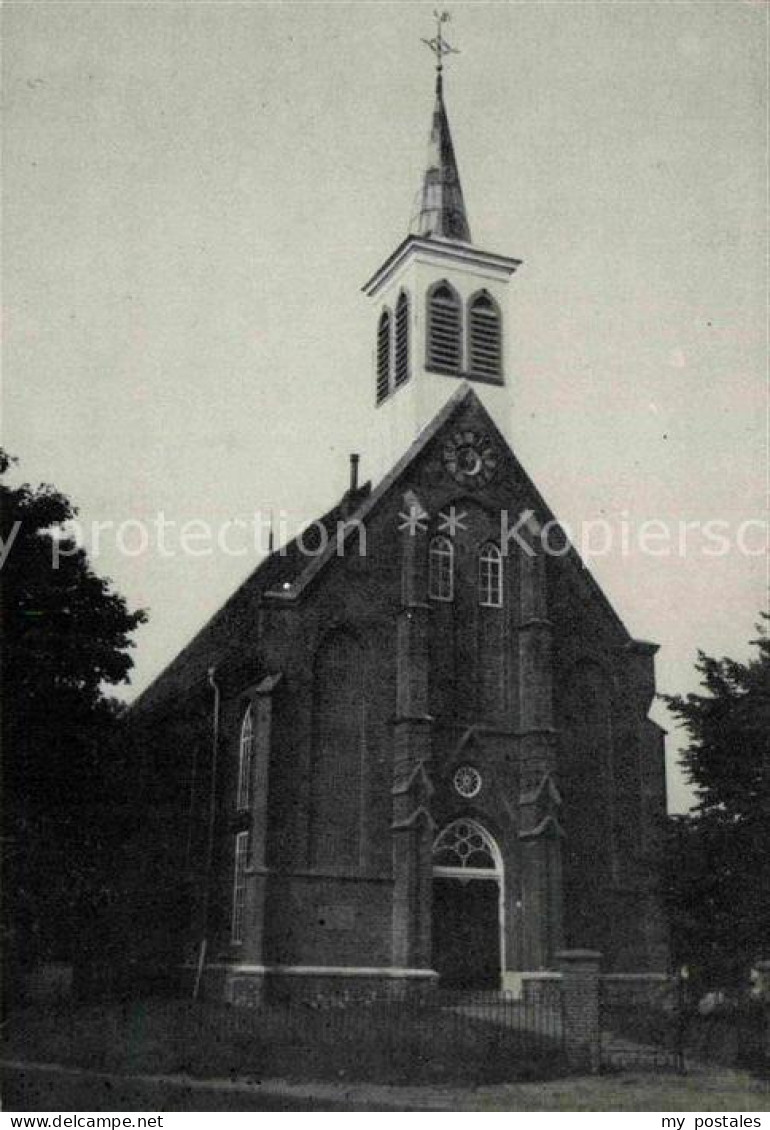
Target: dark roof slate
[{"x": 224, "y": 641}]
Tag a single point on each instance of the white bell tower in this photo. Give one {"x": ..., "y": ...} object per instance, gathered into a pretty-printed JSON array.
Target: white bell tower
[{"x": 439, "y": 308}]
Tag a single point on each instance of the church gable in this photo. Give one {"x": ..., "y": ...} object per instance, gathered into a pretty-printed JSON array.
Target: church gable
[{"x": 460, "y": 468}]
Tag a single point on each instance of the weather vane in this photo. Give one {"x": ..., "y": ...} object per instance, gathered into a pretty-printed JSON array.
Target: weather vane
[{"x": 438, "y": 44}]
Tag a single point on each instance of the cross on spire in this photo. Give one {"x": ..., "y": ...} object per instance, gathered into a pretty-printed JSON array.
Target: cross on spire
[
  {"x": 438, "y": 45},
  {"x": 440, "y": 210}
]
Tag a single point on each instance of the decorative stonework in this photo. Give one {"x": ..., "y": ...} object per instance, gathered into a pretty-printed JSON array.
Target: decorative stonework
[
  {"x": 541, "y": 807},
  {"x": 465, "y": 844},
  {"x": 467, "y": 781},
  {"x": 470, "y": 458}
]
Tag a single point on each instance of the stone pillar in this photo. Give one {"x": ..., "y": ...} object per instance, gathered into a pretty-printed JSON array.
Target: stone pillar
[
  {"x": 413, "y": 825},
  {"x": 539, "y": 830},
  {"x": 580, "y": 1007}
]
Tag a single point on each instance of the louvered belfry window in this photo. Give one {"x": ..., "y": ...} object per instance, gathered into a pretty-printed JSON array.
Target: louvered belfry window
[
  {"x": 444, "y": 329},
  {"x": 402, "y": 339},
  {"x": 383, "y": 356},
  {"x": 485, "y": 344}
]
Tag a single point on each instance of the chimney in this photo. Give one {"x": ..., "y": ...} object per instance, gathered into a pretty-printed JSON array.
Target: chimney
[{"x": 354, "y": 472}]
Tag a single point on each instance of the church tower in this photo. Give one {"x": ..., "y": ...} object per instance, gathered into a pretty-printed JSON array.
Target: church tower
[{"x": 439, "y": 306}]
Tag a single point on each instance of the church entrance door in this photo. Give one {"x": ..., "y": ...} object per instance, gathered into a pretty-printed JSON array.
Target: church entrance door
[{"x": 467, "y": 903}]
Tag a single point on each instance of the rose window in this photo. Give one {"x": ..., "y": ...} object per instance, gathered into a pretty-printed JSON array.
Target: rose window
[{"x": 467, "y": 781}]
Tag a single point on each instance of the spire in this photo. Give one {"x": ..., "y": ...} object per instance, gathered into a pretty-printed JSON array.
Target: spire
[{"x": 441, "y": 209}]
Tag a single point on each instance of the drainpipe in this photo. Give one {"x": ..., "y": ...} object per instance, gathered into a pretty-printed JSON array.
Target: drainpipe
[{"x": 211, "y": 827}]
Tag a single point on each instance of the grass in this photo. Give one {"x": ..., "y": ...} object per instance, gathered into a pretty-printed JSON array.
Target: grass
[
  {"x": 632, "y": 1091},
  {"x": 26, "y": 1090},
  {"x": 378, "y": 1043}
]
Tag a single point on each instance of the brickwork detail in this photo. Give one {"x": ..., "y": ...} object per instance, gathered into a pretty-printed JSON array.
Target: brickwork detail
[{"x": 580, "y": 1007}]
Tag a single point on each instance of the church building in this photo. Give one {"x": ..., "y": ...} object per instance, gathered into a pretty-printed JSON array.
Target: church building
[{"x": 413, "y": 748}]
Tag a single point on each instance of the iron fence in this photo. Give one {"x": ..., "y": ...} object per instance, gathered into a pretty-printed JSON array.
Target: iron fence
[
  {"x": 482, "y": 1035},
  {"x": 499, "y": 1017}
]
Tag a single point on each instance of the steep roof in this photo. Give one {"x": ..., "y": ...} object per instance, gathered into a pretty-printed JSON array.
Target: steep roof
[
  {"x": 441, "y": 207},
  {"x": 228, "y": 639}
]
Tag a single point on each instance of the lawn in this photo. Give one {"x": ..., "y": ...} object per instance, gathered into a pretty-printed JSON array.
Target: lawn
[
  {"x": 26, "y": 1090},
  {"x": 632, "y": 1091}
]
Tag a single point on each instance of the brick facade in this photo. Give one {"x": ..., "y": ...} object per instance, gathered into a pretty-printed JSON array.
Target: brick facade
[
  {"x": 580, "y": 1007},
  {"x": 367, "y": 696}
]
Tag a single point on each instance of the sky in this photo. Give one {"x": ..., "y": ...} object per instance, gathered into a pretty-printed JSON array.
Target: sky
[{"x": 194, "y": 193}]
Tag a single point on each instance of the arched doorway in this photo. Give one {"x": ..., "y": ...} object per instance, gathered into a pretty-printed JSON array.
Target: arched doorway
[{"x": 467, "y": 907}]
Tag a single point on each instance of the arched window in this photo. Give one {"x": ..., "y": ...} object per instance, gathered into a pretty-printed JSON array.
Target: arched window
[
  {"x": 466, "y": 845},
  {"x": 402, "y": 339},
  {"x": 491, "y": 577},
  {"x": 244, "y": 763},
  {"x": 383, "y": 356},
  {"x": 485, "y": 344},
  {"x": 444, "y": 329},
  {"x": 441, "y": 581}
]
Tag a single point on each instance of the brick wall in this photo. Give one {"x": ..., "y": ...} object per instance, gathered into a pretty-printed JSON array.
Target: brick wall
[{"x": 580, "y": 988}]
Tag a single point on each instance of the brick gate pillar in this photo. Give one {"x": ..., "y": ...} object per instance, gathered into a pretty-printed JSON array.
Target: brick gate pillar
[
  {"x": 580, "y": 1007},
  {"x": 413, "y": 825}
]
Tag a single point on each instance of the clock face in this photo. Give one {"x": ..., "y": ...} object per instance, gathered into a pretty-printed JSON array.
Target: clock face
[{"x": 470, "y": 458}]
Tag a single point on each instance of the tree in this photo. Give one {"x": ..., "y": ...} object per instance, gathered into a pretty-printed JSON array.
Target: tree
[
  {"x": 718, "y": 863},
  {"x": 65, "y": 637}
]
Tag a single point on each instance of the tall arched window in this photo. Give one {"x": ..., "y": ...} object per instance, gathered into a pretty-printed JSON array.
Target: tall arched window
[
  {"x": 244, "y": 762},
  {"x": 444, "y": 329},
  {"x": 383, "y": 356},
  {"x": 240, "y": 857},
  {"x": 441, "y": 582},
  {"x": 402, "y": 339},
  {"x": 485, "y": 337},
  {"x": 491, "y": 576}
]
